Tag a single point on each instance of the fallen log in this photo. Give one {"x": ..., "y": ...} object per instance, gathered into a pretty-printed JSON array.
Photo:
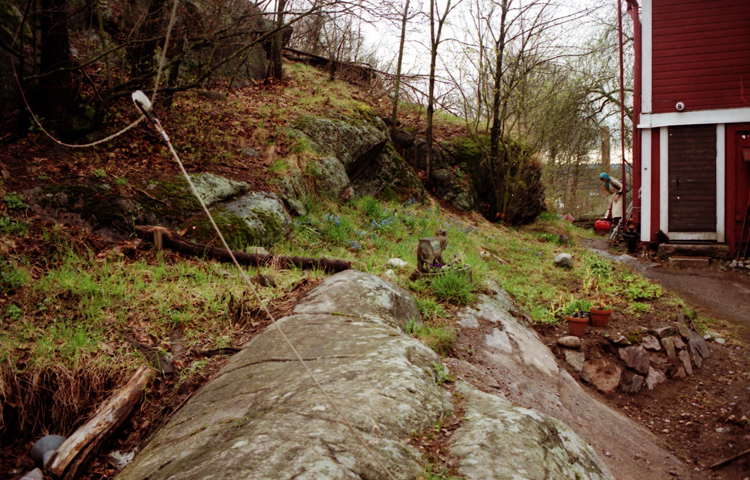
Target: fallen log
[
  {"x": 77, "y": 449},
  {"x": 729, "y": 460},
  {"x": 168, "y": 239}
]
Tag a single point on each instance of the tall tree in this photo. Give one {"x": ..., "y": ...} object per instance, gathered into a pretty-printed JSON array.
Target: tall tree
[
  {"x": 397, "y": 81},
  {"x": 436, "y": 20}
]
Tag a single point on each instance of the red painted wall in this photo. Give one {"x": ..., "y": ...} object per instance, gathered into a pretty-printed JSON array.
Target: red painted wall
[{"x": 701, "y": 54}]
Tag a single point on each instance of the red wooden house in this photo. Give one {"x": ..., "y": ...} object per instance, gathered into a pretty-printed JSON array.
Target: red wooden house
[{"x": 691, "y": 144}]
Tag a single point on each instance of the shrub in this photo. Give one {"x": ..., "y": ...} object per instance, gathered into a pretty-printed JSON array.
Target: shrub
[{"x": 15, "y": 201}]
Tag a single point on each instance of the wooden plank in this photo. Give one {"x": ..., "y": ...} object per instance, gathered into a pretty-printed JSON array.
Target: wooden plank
[
  {"x": 75, "y": 451},
  {"x": 693, "y": 31},
  {"x": 662, "y": 37},
  {"x": 734, "y": 39},
  {"x": 681, "y": 51},
  {"x": 704, "y": 61},
  {"x": 731, "y": 8}
]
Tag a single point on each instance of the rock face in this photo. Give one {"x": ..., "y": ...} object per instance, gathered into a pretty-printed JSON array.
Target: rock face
[
  {"x": 262, "y": 416},
  {"x": 448, "y": 187},
  {"x": 569, "y": 341},
  {"x": 360, "y": 145},
  {"x": 575, "y": 359},
  {"x": 326, "y": 175},
  {"x": 530, "y": 378},
  {"x": 654, "y": 378},
  {"x": 698, "y": 345},
  {"x": 358, "y": 294},
  {"x": 651, "y": 343},
  {"x": 564, "y": 260},
  {"x": 499, "y": 440}
]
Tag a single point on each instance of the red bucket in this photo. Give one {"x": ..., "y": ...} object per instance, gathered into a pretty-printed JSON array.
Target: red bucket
[{"x": 602, "y": 225}]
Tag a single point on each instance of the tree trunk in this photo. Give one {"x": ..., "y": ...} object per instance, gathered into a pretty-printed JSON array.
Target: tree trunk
[
  {"x": 277, "y": 45},
  {"x": 56, "y": 94},
  {"x": 434, "y": 44},
  {"x": 397, "y": 85},
  {"x": 496, "y": 130}
]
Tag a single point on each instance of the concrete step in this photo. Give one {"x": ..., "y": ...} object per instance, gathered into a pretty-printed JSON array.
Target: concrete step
[
  {"x": 710, "y": 250},
  {"x": 689, "y": 262}
]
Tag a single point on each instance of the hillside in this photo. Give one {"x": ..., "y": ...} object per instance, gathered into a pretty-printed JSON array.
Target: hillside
[{"x": 82, "y": 310}]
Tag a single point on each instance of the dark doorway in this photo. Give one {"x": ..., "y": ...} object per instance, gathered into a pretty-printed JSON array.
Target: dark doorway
[{"x": 692, "y": 178}]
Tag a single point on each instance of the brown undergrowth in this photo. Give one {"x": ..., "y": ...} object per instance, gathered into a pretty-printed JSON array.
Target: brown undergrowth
[
  {"x": 38, "y": 401},
  {"x": 434, "y": 442}
]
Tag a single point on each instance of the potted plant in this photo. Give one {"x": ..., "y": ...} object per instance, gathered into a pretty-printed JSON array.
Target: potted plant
[
  {"x": 600, "y": 314},
  {"x": 577, "y": 314}
]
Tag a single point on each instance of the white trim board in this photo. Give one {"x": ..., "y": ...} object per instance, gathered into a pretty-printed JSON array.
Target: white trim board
[
  {"x": 645, "y": 185},
  {"x": 709, "y": 236},
  {"x": 721, "y": 153},
  {"x": 698, "y": 117},
  {"x": 664, "y": 179},
  {"x": 646, "y": 58}
]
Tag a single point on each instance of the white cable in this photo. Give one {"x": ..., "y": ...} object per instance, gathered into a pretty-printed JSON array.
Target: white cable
[{"x": 140, "y": 99}]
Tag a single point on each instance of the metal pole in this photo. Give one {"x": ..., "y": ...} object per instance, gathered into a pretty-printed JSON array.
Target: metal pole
[{"x": 622, "y": 116}]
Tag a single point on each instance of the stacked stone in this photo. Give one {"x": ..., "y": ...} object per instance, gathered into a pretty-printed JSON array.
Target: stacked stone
[{"x": 668, "y": 352}]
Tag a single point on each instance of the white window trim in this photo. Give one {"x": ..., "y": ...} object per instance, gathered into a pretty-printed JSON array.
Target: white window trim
[
  {"x": 698, "y": 117},
  {"x": 646, "y": 185},
  {"x": 719, "y": 234}
]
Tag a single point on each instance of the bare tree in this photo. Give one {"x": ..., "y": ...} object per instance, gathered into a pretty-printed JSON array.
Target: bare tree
[{"x": 437, "y": 19}]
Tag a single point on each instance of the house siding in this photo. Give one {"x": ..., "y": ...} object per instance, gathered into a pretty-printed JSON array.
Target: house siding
[{"x": 700, "y": 55}]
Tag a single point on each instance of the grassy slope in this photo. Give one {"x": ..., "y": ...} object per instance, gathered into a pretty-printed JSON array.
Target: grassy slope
[{"x": 69, "y": 301}]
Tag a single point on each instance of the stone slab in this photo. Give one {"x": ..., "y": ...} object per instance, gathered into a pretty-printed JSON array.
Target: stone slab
[
  {"x": 693, "y": 250},
  {"x": 689, "y": 262}
]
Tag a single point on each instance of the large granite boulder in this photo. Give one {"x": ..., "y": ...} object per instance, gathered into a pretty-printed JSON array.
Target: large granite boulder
[
  {"x": 360, "y": 144},
  {"x": 499, "y": 440},
  {"x": 263, "y": 417},
  {"x": 258, "y": 218},
  {"x": 325, "y": 176},
  {"x": 355, "y": 142},
  {"x": 450, "y": 188}
]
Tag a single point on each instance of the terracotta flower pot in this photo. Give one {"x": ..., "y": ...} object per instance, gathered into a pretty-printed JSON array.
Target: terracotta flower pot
[
  {"x": 600, "y": 318},
  {"x": 577, "y": 326}
]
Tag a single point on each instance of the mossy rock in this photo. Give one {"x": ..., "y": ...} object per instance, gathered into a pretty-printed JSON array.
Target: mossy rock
[
  {"x": 389, "y": 174},
  {"x": 96, "y": 207},
  {"x": 353, "y": 141},
  {"x": 214, "y": 188},
  {"x": 255, "y": 219},
  {"x": 114, "y": 211},
  {"x": 294, "y": 190}
]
